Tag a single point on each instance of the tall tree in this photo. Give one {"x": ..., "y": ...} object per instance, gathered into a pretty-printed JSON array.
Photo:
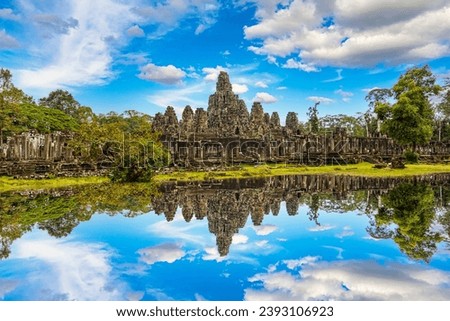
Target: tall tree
[
  {"x": 313, "y": 118},
  {"x": 62, "y": 100},
  {"x": 409, "y": 120}
]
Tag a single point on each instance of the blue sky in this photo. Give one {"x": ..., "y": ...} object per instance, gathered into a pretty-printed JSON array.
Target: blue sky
[{"x": 147, "y": 54}]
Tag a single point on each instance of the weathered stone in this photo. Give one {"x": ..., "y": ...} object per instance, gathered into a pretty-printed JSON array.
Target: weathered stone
[
  {"x": 187, "y": 122},
  {"x": 292, "y": 123},
  {"x": 200, "y": 120}
]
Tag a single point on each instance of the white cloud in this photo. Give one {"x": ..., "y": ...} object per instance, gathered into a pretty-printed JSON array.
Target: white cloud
[
  {"x": 352, "y": 280},
  {"x": 51, "y": 24},
  {"x": 346, "y": 95},
  {"x": 282, "y": 88},
  {"x": 180, "y": 97},
  {"x": 360, "y": 33},
  {"x": 323, "y": 100},
  {"x": 346, "y": 231},
  {"x": 135, "y": 31},
  {"x": 7, "y": 41},
  {"x": 239, "y": 239},
  {"x": 294, "y": 64},
  {"x": 307, "y": 260},
  {"x": 261, "y": 84},
  {"x": 320, "y": 228},
  {"x": 239, "y": 89},
  {"x": 264, "y": 97},
  {"x": 337, "y": 78},
  {"x": 168, "y": 253},
  {"x": 212, "y": 254},
  {"x": 6, "y": 286},
  {"x": 168, "y": 15},
  {"x": 83, "y": 55},
  {"x": 8, "y": 14},
  {"x": 162, "y": 74},
  {"x": 75, "y": 271},
  {"x": 211, "y": 74},
  {"x": 265, "y": 229}
]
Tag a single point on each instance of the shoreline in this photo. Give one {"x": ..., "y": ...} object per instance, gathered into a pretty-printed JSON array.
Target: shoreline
[{"x": 8, "y": 184}]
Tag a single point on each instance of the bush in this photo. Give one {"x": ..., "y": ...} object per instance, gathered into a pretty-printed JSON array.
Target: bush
[{"x": 411, "y": 157}]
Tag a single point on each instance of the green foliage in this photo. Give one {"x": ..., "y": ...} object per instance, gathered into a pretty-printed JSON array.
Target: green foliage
[
  {"x": 407, "y": 216},
  {"x": 410, "y": 119},
  {"x": 61, "y": 100},
  {"x": 126, "y": 141},
  {"x": 313, "y": 121},
  {"x": 411, "y": 157},
  {"x": 59, "y": 211},
  {"x": 354, "y": 126}
]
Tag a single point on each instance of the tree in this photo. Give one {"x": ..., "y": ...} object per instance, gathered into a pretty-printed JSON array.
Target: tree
[
  {"x": 313, "y": 118},
  {"x": 409, "y": 121},
  {"x": 62, "y": 100},
  {"x": 10, "y": 100},
  {"x": 377, "y": 97}
]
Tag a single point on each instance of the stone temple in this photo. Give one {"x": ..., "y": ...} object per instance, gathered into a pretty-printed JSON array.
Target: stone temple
[
  {"x": 227, "y": 133},
  {"x": 227, "y": 116}
]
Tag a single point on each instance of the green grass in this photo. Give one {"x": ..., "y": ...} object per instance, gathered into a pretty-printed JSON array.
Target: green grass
[
  {"x": 362, "y": 169},
  {"x": 11, "y": 184}
]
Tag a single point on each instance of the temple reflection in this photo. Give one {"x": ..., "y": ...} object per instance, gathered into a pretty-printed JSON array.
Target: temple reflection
[{"x": 405, "y": 210}]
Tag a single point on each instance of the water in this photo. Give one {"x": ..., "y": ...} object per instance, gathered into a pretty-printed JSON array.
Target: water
[{"x": 283, "y": 238}]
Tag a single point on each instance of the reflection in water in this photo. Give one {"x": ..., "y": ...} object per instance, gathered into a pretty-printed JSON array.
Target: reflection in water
[{"x": 414, "y": 213}]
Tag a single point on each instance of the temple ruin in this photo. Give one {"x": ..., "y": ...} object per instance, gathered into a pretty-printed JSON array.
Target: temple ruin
[{"x": 225, "y": 134}]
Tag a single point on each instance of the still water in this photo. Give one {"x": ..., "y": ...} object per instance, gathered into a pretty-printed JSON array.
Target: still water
[{"x": 281, "y": 238}]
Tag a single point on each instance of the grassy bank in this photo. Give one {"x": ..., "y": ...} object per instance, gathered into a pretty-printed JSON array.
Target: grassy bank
[
  {"x": 11, "y": 184},
  {"x": 362, "y": 169}
]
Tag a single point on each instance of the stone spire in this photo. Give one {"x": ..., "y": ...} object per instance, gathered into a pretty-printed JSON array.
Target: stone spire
[
  {"x": 223, "y": 83},
  {"x": 227, "y": 114}
]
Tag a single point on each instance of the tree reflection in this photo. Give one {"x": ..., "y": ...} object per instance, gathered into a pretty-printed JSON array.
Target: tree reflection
[
  {"x": 407, "y": 215},
  {"x": 59, "y": 211}
]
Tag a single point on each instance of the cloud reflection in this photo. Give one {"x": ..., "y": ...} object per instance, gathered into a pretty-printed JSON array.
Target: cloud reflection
[
  {"x": 71, "y": 270},
  {"x": 350, "y": 280}
]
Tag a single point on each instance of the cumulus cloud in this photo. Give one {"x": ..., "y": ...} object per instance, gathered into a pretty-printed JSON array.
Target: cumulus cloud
[
  {"x": 264, "y": 97},
  {"x": 8, "y": 14},
  {"x": 240, "y": 239},
  {"x": 349, "y": 33},
  {"x": 162, "y": 74},
  {"x": 351, "y": 280},
  {"x": 7, "y": 41},
  {"x": 135, "y": 31},
  {"x": 322, "y": 100},
  {"x": 211, "y": 74},
  {"x": 239, "y": 89},
  {"x": 73, "y": 271},
  {"x": 168, "y": 253},
  {"x": 261, "y": 84},
  {"x": 265, "y": 229},
  {"x": 294, "y": 64}
]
